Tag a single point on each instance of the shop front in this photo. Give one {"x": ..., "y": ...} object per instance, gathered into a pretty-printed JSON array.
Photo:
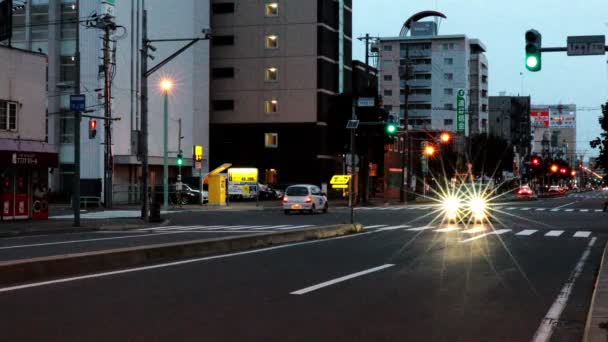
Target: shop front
[{"x": 24, "y": 169}]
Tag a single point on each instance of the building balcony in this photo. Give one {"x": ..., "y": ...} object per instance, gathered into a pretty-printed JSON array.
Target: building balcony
[
  {"x": 423, "y": 68},
  {"x": 416, "y": 53},
  {"x": 421, "y": 83},
  {"x": 417, "y": 98},
  {"x": 419, "y": 113}
]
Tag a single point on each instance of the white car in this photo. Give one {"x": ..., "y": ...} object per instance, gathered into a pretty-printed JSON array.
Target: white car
[{"x": 305, "y": 198}]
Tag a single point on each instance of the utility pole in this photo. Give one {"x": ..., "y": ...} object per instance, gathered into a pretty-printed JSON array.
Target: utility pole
[
  {"x": 406, "y": 177},
  {"x": 179, "y": 144},
  {"x": 107, "y": 66},
  {"x": 143, "y": 141},
  {"x": 351, "y": 203},
  {"x": 77, "y": 120}
]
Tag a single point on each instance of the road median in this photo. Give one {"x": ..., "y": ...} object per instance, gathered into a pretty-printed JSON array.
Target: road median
[{"x": 47, "y": 268}]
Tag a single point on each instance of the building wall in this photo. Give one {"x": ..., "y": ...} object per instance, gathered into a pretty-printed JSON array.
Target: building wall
[
  {"x": 509, "y": 118},
  {"x": 22, "y": 81},
  {"x": 567, "y": 136}
]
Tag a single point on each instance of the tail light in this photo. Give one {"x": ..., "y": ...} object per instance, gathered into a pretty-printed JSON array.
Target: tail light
[
  {"x": 308, "y": 199},
  {"x": 285, "y": 199}
]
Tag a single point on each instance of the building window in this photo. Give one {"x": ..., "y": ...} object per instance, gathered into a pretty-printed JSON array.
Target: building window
[
  {"x": 271, "y": 140},
  {"x": 445, "y": 46},
  {"x": 219, "y": 105},
  {"x": 272, "y": 42},
  {"x": 388, "y": 48},
  {"x": 448, "y": 106},
  {"x": 448, "y": 76},
  {"x": 484, "y": 93},
  {"x": 388, "y": 77},
  {"x": 223, "y": 8},
  {"x": 222, "y": 73},
  {"x": 8, "y": 116},
  {"x": 66, "y": 129},
  {"x": 272, "y": 9},
  {"x": 448, "y": 122},
  {"x": 448, "y": 91},
  {"x": 272, "y": 75},
  {"x": 67, "y": 69},
  {"x": 271, "y": 106},
  {"x": 68, "y": 20},
  {"x": 452, "y": 46},
  {"x": 484, "y": 108},
  {"x": 448, "y": 61},
  {"x": 388, "y": 108},
  {"x": 388, "y": 92},
  {"x": 222, "y": 40}
]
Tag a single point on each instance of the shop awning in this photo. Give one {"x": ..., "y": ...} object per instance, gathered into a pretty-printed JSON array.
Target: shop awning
[{"x": 27, "y": 153}]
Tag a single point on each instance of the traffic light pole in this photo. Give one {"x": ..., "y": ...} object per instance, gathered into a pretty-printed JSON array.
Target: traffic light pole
[
  {"x": 166, "y": 150},
  {"x": 351, "y": 204},
  {"x": 77, "y": 120}
]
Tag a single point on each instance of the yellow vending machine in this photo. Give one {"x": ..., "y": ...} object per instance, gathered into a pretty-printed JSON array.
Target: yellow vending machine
[{"x": 217, "y": 189}]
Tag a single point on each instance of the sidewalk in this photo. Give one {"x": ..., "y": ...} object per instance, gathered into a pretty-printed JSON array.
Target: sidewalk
[
  {"x": 20, "y": 228},
  {"x": 596, "y": 329}
]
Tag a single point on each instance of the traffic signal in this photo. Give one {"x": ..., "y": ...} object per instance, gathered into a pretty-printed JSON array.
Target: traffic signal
[
  {"x": 533, "y": 53},
  {"x": 391, "y": 125},
  {"x": 536, "y": 161},
  {"x": 445, "y": 137},
  {"x": 180, "y": 158},
  {"x": 554, "y": 168},
  {"x": 198, "y": 153},
  {"x": 429, "y": 150},
  {"x": 92, "y": 128}
]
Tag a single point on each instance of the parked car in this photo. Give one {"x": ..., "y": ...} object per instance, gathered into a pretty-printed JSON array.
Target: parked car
[
  {"x": 555, "y": 189},
  {"x": 304, "y": 198},
  {"x": 188, "y": 194},
  {"x": 525, "y": 192}
]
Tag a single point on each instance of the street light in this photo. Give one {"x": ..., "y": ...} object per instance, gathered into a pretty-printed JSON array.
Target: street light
[
  {"x": 445, "y": 137},
  {"x": 429, "y": 150},
  {"x": 554, "y": 168},
  {"x": 166, "y": 85}
]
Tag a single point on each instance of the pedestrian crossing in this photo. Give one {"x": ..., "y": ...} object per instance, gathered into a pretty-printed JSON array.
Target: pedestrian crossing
[
  {"x": 592, "y": 195},
  {"x": 225, "y": 228},
  {"x": 473, "y": 233},
  {"x": 553, "y": 210},
  {"x": 496, "y": 208}
]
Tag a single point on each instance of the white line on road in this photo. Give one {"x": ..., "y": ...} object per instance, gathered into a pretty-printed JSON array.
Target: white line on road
[
  {"x": 554, "y": 233},
  {"x": 296, "y": 227},
  {"x": 418, "y": 229},
  {"x": 598, "y": 210},
  {"x": 582, "y": 234},
  {"x": 525, "y": 209},
  {"x": 339, "y": 280},
  {"x": 496, "y": 232},
  {"x": 564, "y": 205},
  {"x": 511, "y": 208},
  {"x": 541, "y": 209},
  {"x": 584, "y": 210},
  {"x": 175, "y": 263},
  {"x": 392, "y": 228},
  {"x": 87, "y": 240},
  {"x": 527, "y": 232},
  {"x": 569, "y": 210},
  {"x": 376, "y": 226},
  {"x": 545, "y": 330},
  {"x": 446, "y": 230},
  {"x": 474, "y": 230}
]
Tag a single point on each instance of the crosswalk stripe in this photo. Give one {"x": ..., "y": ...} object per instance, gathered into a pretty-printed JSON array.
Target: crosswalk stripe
[
  {"x": 510, "y": 208},
  {"x": 418, "y": 229},
  {"x": 496, "y": 232},
  {"x": 598, "y": 210},
  {"x": 474, "y": 230},
  {"x": 446, "y": 230},
  {"x": 584, "y": 210},
  {"x": 525, "y": 209},
  {"x": 554, "y": 209},
  {"x": 541, "y": 209},
  {"x": 554, "y": 233},
  {"x": 582, "y": 234},
  {"x": 156, "y": 228},
  {"x": 569, "y": 210},
  {"x": 527, "y": 232}
]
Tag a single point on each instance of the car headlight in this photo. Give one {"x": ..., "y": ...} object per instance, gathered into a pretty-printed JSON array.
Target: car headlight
[
  {"x": 478, "y": 207},
  {"x": 451, "y": 206}
]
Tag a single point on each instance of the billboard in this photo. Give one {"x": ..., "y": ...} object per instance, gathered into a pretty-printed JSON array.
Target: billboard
[
  {"x": 6, "y": 25},
  {"x": 563, "y": 116},
  {"x": 540, "y": 117}
]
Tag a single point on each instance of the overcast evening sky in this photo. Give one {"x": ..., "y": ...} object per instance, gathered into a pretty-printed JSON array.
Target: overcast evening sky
[{"x": 501, "y": 25}]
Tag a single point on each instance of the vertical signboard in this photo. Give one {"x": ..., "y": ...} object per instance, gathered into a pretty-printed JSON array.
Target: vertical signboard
[
  {"x": 540, "y": 117},
  {"x": 460, "y": 111}
]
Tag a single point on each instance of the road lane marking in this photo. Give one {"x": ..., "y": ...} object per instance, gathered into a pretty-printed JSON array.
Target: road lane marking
[
  {"x": 339, "y": 280},
  {"x": 496, "y": 232},
  {"x": 296, "y": 227},
  {"x": 525, "y": 209},
  {"x": 393, "y": 227},
  {"x": 446, "y": 230},
  {"x": 541, "y": 209},
  {"x": 273, "y": 227},
  {"x": 474, "y": 230},
  {"x": 86, "y": 240},
  {"x": 545, "y": 330},
  {"x": 554, "y": 233},
  {"x": 376, "y": 226},
  {"x": 564, "y": 205},
  {"x": 598, "y": 210},
  {"x": 569, "y": 210},
  {"x": 155, "y": 228},
  {"x": 175, "y": 263},
  {"x": 584, "y": 210},
  {"x": 511, "y": 208},
  {"x": 582, "y": 234},
  {"x": 527, "y": 232}
]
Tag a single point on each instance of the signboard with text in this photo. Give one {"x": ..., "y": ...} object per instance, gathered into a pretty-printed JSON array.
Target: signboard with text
[
  {"x": 540, "y": 117},
  {"x": 460, "y": 111}
]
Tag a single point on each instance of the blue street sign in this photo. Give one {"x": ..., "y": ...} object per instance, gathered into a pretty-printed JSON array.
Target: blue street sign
[{"x": 78, "y": 103}]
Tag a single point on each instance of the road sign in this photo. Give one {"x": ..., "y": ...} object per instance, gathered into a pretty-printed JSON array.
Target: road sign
[
  {"x": 78, "y": 103},
  {"x": 460, "y": 111},
  {"x": 340, "y": 180},
  {"x": 586, "y": 45},
  {"x": 349, "y": 159},
  {"x": 352, "y": 124},
  {"x": 365, "y": 102}
]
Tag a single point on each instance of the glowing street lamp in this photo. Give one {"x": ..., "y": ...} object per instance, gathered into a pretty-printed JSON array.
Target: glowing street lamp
[
  {"x": 429, "y": 150},
  {"x": 166, "y": 85}
]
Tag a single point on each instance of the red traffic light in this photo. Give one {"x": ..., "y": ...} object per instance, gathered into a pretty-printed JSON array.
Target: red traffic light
[
  {"x": 563, "y": 170},
  {"x": 92, "y": 128},
  {"x": 554, "y": 168},
  {"x": 93, "y": 124},
  {"x": 535, "y": 161}
]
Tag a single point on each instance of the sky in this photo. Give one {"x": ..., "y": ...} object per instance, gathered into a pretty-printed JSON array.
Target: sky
[{"x": 501, "y": 25}]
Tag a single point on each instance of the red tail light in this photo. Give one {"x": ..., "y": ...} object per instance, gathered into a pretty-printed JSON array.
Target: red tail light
[
  {"x": 285, "y": 199},
  {"x": 308, "y": 199}
]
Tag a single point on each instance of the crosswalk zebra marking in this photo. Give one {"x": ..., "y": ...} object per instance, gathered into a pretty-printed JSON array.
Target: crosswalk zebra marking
[
  {"x": 446, "y": 230},
  {"x": 541, "y": 209},
  {"x": 527, "y": 232},
  {"x": 554, "y": 233},
  {"x": 582, "y": 234}
]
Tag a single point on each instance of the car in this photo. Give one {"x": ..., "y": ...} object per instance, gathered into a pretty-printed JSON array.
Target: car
[
  {"x": 555, "y": 189},
  {"x": 304, "y": 198},
  {"x": 525, "y": 192},
  {"x": 187, "y": 195},
  {"x": 467, "y": 203}
]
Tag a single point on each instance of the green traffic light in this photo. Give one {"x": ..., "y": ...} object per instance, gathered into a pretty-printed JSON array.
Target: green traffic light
[
  {"x": 531, "y": 62},
  {"x": 391, "y": 128}
]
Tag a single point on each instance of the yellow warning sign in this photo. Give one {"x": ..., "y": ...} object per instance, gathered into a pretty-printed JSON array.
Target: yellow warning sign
[
  {"x": 340, "y": 181},
  {"x": 340, "y": 186}
]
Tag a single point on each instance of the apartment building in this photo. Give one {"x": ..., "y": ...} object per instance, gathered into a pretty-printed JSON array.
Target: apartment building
[
  {"x": 439, "y": 66},
  {"x": 509, "y": 118},
  {"x": 277, "y": 68}
]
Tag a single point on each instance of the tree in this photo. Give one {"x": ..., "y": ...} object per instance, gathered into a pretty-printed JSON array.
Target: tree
[{"x": 602, "y": 141}]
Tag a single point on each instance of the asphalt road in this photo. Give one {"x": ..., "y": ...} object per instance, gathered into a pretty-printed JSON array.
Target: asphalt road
[
  {"x": 406, "y": 278},
  {"x": 542, "y": 215}
]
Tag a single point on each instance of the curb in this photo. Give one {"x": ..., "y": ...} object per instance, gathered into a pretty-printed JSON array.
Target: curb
[
  {"x": 597, "y": 316},
  {"x": 82, "y": 229},
  {"x": 46, "y": 268}
]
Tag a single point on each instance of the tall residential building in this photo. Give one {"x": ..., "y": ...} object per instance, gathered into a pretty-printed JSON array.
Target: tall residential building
[
  {"x": 509, "y": 119},
  {"x": 554, "y": 131},
  {"x": 440, "y": 66},
  {"x": 277, "y": 69},
  {"x": 49, "y": 26}
]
